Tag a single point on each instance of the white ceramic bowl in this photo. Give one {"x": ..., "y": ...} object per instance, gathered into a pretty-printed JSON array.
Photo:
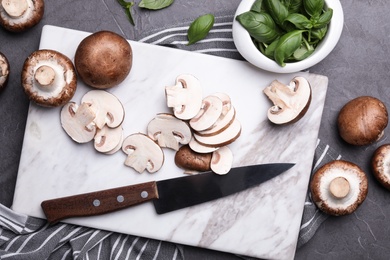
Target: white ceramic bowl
[{"x": 247, "y": 49}]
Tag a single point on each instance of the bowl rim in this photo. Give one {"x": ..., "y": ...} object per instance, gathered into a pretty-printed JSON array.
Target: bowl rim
[{"x": 247, "y": 49}]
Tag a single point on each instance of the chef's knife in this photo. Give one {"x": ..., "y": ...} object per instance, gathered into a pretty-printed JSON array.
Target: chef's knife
[{"x": 167, "y": 195}]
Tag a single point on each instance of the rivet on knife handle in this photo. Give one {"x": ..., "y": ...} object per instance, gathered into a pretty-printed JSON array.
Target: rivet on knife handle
[{"x": 99, "y": 202}]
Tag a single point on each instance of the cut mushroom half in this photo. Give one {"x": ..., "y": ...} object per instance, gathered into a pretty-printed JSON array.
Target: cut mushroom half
[
  {"x": 221, "y": 160},
  {"x": 108, "y": 140},
  {"x": 223, "y": 138},
  {"x": 185, "y": 97},
  {"x": 380, "y": 164},
  {"x": 4, "y": 71},
  {"x": 168, "y": 131},
  {"x": 49, "y": 78},
  {"x": 109, "y": 109},
  {"x": 20, "y": 15},
  {"x": 291, "y": 102},
  {"x": 208, "y": 114},
  {"x": 339, "y": 187},
  {"x": 142, "y": 153},
  {"x": 77, "y": 121}
]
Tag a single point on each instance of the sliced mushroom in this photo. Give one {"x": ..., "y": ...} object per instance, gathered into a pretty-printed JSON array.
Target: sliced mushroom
[
  {"x": 108, "y": 140},
  {"x": 221, "y": 160},
  {"x": 77, "y": 121},
  {"x": 380, "y": 164},
  {"x": 4, "y": 71},
  {"x": 291, "y": 102},
  {"x": 339, "y": 187},
  {"x": 185, "y": 97},
  {"x": 223, "y": 138},
  {"x": 362, "y": 121},
  {"x": 221, "y": 124},
  {"x": 226, "y": 102},
  {"x": 109, "y": 110},
  {"x": 200, "y": 148},
  {"x": 20, "y": 15},
  {"x": 169, "y": 131},
  {"x": 192, "y": 161},
  {"x": 210, "y": 111},
  {"x": 103, "y": 59},
  {"x": 49, "y": 78},
  {"x": 142, "y": 153}
]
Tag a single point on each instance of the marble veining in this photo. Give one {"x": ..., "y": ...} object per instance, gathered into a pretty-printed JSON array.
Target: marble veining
[{"x": 261, "y": 222}]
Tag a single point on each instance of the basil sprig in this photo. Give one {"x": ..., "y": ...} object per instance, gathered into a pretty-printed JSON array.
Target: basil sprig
[
  {"x": 199, "y": 28},
  {"x": 286, "y": 30}
]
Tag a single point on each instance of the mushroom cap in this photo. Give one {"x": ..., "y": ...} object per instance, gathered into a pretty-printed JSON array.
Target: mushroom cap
[
  {"x": 17, "y": 21},
  {"x": 362, "y": 120},
  {"x": 380, "y": 164},
  {"x": 103, "y": 59},
  {"x": 327, "y": 192},
  {"x": 142, "y": 153},
  {"x": 62, "y": 88},
  {"x": 188, "y": 159},
  {"x": 4, "y": 71},
  {"x": 291, "y": 102}
]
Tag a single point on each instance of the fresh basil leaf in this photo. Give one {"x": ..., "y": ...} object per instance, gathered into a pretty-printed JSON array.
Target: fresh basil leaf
[
  {"x": 303, "y": 52},
  {"x": 277, "y": 10},
  {"x": 317, "y": 35},
  {"x": 324, "y": 19},
  {"x": 313, "y": 7},
  {"x": 260, "y": 26},
  {"x": 270, "y": 49},
  {"x": 127, "y": 6},
  {"x": 299, "y": 20},
  {"x": 200, "y": 28},
  {"x": 257, "y": 6},
  {"x": 295, "y": 6},
  {"x": 155, "y": 4},
  {"x": 287, "y": 45}
]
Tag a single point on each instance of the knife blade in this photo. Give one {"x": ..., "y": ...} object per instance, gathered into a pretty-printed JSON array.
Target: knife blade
[{"x": 167, "y": 195}]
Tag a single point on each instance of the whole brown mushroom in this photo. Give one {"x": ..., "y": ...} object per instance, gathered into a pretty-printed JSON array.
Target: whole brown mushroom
[
  {"x": 103, "y": 59},
  {"x": 20, "y": 15},
  {"x": 49, "y": 78},
  {"x": 339, "y": 187},
  {"x": 380, "y": 164},
  {"x": 362, "y": 120},
  {"x": 4, "y": 71}
]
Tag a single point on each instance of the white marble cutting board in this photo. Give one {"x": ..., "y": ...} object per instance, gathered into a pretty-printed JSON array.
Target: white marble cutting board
[{"x": 261, "y": 222}]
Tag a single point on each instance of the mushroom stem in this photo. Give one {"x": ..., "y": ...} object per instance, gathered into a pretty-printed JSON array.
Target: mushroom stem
[
  {"x": 45, "y": 75},
  {"x": 15, "y": 8},
  {"x": 339, "y": 187}
]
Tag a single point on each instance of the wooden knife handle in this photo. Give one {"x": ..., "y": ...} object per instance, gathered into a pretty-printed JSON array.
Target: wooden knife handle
[{"x": 98, "y": 202}]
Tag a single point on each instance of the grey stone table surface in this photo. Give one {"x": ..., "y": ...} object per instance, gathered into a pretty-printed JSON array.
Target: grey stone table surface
[{"x": 359, "y": 65}]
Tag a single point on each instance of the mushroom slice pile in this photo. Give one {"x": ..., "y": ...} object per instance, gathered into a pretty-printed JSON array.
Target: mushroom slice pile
[
  {"x": 208, "y": 114},
  {"x": 380, "y": 164},
  {"x": 185, "y": 97},
  {"x": 291, "y": 102},
  {"x": 142, "y": 153},
  {"x": 169, "y": 131},
  {"x": 4, "y": 71},
  {"x": 339, "y": 187},
  {"x": 99, "y": 117},
  {"x": 225, "y": 137},
  {"x": 19, "y": 15},
  {"x": 49, "y": 78}
]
